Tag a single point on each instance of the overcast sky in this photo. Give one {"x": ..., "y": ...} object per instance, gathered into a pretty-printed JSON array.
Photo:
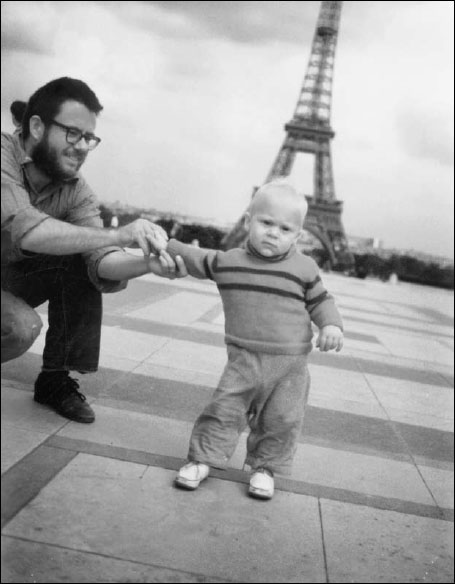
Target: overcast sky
[{"x": 196, "y": 95}]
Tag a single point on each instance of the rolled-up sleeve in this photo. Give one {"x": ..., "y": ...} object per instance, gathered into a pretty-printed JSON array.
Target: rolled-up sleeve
[
  {"x": 85, "y": 212},
  {"x": 93, "y": 259},
  {"x": 17, "y": 219}
]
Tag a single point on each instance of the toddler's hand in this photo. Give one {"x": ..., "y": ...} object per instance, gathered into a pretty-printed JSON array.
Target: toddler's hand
[
  {"x": 330, "y": 337},
  {"x": 172, "y": 268}
]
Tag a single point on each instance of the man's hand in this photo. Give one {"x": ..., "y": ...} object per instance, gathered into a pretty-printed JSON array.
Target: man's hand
[
  {"x": 144, "y": 234},
  {"x": 330, "y": 337},
  {"x": 172, "y": 269}
]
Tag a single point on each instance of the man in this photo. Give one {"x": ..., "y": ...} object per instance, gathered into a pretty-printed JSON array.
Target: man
[
  {"x": 17, "y": 110},
  {"x": 54, "y": 247}
]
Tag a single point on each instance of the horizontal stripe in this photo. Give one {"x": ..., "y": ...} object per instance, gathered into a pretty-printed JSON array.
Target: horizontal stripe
[
  {"x": 317, "y": 299},
  {"x": 19, "y": 369},
  {"x": 279, "y": 274},
  {"x": 261, "y": 289},
  {"x": 23, "y": 481},
  {"x": 309, "y": 285},
  {"x": 183, "y": 401},
  {"x": 333, "y": 429},
  {"x": 240, "y": 476}
]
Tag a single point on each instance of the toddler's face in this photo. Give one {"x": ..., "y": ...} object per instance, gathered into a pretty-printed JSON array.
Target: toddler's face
[{"x": 274, "y": 225}]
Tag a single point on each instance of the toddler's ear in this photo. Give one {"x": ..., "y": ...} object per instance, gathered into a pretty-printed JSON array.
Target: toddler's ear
[
  {"x": 246, "y": 220},
  {"x": 297, "y": 237}
]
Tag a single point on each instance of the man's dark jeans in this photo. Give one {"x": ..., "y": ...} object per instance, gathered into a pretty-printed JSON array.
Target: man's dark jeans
[{"x": 75, "y": 311}]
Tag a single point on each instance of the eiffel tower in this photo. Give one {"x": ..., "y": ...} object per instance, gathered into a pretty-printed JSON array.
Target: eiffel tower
[{"x": 309, "y": 131}]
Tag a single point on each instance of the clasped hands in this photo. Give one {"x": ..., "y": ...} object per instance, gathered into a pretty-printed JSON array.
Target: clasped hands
[{"x": 153, "y": 239}]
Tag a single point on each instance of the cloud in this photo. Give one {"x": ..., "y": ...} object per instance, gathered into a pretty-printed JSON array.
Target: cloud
[
  {"x": 243, "y": 22},
  {"x": 28, "y": 27},
  {"x": 426, "y": 135}
]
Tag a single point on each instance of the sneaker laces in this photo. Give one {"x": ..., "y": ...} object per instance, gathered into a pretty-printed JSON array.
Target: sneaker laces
[
  {"x": 64, "y": 387},
  {"x": 72, "y": 387}
]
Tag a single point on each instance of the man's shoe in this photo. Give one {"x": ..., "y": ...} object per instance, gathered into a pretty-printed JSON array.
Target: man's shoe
[
  {"x": 191, "y": 475},
  {"x": 59, "y": 391},
  {"x": 261, "y": 484}
]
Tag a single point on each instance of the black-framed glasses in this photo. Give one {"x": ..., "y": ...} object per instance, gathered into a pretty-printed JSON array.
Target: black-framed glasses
[{"x": 74, "y": 135}]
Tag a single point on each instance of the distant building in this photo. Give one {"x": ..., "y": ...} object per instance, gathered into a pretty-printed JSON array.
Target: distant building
[{"x": 364, "y": 244}]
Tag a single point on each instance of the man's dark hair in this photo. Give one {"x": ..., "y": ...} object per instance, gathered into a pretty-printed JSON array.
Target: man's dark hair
[
  {"x": 17, "y": 109},
  {"x": 47, "y": 100}
]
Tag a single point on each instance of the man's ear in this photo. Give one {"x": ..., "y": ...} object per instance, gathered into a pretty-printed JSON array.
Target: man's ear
[
  {"x": 36, "y": 128},
  {"x": 246, "y": 220}
]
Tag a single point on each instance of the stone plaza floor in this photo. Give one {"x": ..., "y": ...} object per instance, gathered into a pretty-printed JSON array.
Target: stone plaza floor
[{"x": 370, "y": 498}]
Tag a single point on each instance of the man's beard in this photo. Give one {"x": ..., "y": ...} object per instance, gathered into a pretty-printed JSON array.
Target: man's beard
[{"x": 46, "y": 159}]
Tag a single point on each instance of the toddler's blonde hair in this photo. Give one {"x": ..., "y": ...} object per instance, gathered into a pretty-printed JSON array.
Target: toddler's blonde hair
[{"x": 287, "y": 190}]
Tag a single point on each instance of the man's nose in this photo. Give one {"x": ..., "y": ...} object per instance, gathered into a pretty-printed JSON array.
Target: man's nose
[{"x": 82, "y": 145}]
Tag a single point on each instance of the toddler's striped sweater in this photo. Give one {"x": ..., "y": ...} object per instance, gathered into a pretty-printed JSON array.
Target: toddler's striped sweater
[{"x": 268, "y": 304}]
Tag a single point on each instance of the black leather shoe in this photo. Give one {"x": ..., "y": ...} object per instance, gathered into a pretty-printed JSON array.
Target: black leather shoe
[{"x": 59, "y": 391}]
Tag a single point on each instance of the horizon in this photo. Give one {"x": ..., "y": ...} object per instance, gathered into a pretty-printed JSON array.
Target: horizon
[{"x": 212, "y": 222}]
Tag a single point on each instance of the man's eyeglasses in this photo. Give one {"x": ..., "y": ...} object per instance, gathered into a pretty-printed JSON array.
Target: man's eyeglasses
[{"x": 74, "y": 135}]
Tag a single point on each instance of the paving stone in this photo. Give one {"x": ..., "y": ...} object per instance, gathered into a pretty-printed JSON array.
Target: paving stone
[
  {"x": 29, "y": 562},
  {"x": 367, "y": 545},
  {"x": 133, "y": 513}
]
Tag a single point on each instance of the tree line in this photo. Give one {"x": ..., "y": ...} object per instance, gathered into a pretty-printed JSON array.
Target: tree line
[{"x": 406, "y": 267}]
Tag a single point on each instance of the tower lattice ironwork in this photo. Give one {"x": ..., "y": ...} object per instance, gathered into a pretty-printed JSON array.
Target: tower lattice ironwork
[{"x": 309, "y": 131}]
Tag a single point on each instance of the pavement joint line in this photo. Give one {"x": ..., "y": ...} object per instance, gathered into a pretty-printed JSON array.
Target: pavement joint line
[
  {"x": 211, "y": 314},
  {"x": 447, "y": 344},
  {"x": 324, "y": 550},
  {"x": 385, "y": 302},
  {"x": 203, "y": 577},
  {"x": 396, "y": 430},
  {"x": 389, "y": 314},
  {"x": 445, "y": 377},
  {"x": 239, "y": 476},
  {"x": 402, "y": 328}
]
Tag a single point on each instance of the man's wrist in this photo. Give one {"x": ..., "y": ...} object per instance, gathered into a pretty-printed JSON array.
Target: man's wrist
[{"x": 115, "y": 237}]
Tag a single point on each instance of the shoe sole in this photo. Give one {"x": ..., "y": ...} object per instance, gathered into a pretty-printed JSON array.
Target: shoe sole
[
  {"x": 259, "y": 494},
  {"x": 72, "y": 419},
  {"x": 186, "y": 484},
  {"x": 79, "y": 420}
]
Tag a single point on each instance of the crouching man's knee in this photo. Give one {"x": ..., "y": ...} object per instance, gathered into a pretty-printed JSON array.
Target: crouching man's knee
[{"x": 21, "y": 325}]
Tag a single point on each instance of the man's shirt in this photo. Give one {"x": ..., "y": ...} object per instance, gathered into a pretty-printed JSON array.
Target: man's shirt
[{"x": 23, "y": 208}]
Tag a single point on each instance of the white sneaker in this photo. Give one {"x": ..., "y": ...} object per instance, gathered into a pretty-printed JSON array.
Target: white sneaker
[
  {"x": 191, "y": 475},
  {"x": 261, "y": 484}
]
